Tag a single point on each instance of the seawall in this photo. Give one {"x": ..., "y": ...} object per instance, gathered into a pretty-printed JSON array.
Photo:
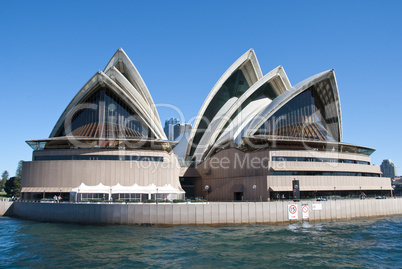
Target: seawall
[
  {"x": 214, "y": 213},
  {"x": 5, "y": 207}
]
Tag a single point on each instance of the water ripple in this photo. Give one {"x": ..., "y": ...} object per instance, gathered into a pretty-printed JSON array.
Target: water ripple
[{"x": 341, "y": 244}]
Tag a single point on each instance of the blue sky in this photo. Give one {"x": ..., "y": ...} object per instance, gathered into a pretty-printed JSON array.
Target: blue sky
[{"x": 49, "y": 49}]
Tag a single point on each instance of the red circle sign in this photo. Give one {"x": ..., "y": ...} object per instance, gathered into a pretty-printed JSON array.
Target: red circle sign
[
  {"x": 292, "y": 209},
  {"x": 305, "y": 209}
]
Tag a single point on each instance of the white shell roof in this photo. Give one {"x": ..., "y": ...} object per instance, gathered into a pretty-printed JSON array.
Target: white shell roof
[
  {"x": 129, "y": 86},
  {"x": 280, "y": 83},
  {"x": 230, "y": 125},
  {"x": 281, "y": 100},
  {"x": 248, "y": 63}
]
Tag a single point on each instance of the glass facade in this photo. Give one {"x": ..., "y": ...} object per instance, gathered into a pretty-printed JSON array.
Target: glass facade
[
  {"x": 309, "y": 159},
  {"x": 265, "y": 91},
  {"x": 130, "y": 197},
  {"x": 311, "y": 115},
  {"x": 94, "y": 196},
  {"x": 36, "y": 145},
  {"x": 103, "y": 115},
  {"x": 234, "y": 86},
  {"x": 169, "y": 128},
  {"x": 98, "y": 158},
  {"x": 388, "y": 168}
]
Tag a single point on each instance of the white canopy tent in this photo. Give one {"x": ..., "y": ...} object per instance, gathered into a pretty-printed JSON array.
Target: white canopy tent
[
  {"x": 128, "y": 189},
  {"x": 85, "y": 192},
  {"x": 170, "y": 189},
  {"x": 100, "y": 188},
  {"x": 158, "y": 192}
]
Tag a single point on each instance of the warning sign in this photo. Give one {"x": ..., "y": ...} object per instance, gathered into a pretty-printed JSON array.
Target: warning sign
[
  {"x": 305, "y": 213},
  {"x": 292, "y": 211}
]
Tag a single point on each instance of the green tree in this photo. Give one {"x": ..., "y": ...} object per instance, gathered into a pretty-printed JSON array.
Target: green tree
[
  {"x": 18, "y": 173},
  {"x": 4, "y": 178},
  {"x": 13, "y": 186}
]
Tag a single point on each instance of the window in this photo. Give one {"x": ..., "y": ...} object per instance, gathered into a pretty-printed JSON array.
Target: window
[
  {"x": 234, "y": 86},
  {"x": 310, "y": 115},
  {"x": 100, "y": 158},
  {"x": 321, "y": 173},
  {"x": 308, "y": 159},
  {"x": 104, "y": 114}
]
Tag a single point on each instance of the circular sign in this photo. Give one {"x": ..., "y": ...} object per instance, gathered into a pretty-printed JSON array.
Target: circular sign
[
  {"x": 305, "y": 209},
  {"x": 292, "y": 209}
]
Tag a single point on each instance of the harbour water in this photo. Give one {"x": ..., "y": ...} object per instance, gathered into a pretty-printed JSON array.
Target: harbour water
[{"x": 362, "y": 243}]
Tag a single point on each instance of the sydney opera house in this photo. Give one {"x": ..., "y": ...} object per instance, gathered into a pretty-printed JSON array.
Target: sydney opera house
[{"x": 253, "y": 135}]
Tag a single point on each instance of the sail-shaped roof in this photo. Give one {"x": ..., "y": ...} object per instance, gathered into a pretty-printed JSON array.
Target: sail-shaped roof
[
  {"x": 123, "y": 64},
  {"x": 115, "y": 102},
  {"x": 265, "y": 106},
  {"x": 234, "y": 83},
  {"x": 257, "y": 96},
  {"x": 311, "y": 109}
]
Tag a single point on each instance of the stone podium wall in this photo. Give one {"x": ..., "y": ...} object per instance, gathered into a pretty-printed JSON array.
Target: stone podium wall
[
  {"x": 202, "y": 214},
  {"x": 4, "y": 207}
]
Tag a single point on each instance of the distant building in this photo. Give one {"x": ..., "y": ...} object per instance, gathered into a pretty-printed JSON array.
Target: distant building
[
  {"x": 169, "y": 130},
  {"x": 397, "y": 186},
  {"x": 388, "y": 168},
  {"x": 181, "y": 128}
]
